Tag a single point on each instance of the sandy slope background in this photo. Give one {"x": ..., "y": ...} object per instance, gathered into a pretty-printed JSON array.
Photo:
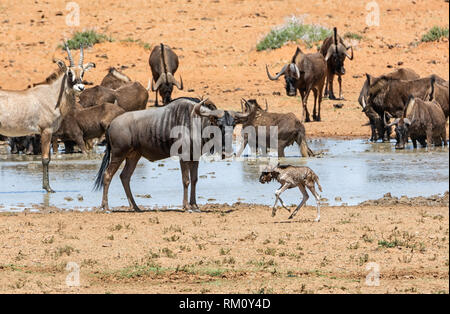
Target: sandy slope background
[
  {"x": 216, "y": 43},
  {"x": 228, "y": 248}
]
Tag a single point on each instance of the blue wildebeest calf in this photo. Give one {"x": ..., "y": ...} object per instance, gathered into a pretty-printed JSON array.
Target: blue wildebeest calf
[{"x": 291, "y": 177}]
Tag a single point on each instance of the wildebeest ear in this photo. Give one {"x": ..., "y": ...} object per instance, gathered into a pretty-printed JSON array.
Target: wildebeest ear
[
  {"x": 88, "y": 66},
  {"x": 369, "y": 78},
  {"x": 297, "y": 52}
]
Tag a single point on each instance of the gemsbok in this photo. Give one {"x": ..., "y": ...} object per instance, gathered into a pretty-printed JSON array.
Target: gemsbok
[{"x": 40, "y": 109}]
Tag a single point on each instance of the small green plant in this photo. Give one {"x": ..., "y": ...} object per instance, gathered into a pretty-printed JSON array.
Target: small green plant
[
  {"x": 293, "y": 30},
  {"x": 350, "y": 35},
  {"x": 224, "y": 251},
  {"x": 87, "y": 38},
  {"x": 435, "y": 34}
]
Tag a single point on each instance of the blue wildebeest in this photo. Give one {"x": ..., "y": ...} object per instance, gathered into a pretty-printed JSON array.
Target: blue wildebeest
[
  {"x": 40, "y": 109},
  {"x": 149, "y": 134}
]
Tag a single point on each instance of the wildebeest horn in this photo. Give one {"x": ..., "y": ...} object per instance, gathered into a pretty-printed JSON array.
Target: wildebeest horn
[
  {"x": 161, "y": 78},
  {"x": 407, "y": 121},
  {"x": 172, "y": 80},
  {"x": 81, "y": 56},
  {"x": 346, "y": 53},
  {"x": 330, "y": 52},
  {"x": 211, "y": 113},
  {"x": 274, "y": 78},
  {"x": 69, "y": 54},
  {"x": 393, "y": 123},
  {"x": 364, "y": 102},
  {"x": 294, "y": 68}
]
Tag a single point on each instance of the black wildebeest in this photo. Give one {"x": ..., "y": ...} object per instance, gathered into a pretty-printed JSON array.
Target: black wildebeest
[
  {"x": 148, "y": 133},
  {"x": 290, "y": 129},
  {"x": 305, "y": 72},
  {"x": 115, "y": 79},
  {"x": 392, "y": 95},
  {"x": 422, "y": 121},
  {"x": 334, "y": 51},
  {"x": 163, "y": 64},
  {"x": 83, "y": 124},
  {"x": 375, "y": 121}
]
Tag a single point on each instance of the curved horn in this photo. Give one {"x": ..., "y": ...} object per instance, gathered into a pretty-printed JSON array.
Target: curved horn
[
  {"x": 330, "y": 52},
  {"x": 158, "y": 83},
  {"x": 81, "y": 56},
  {"x": 407, "y": 121},
  {"x": 392, "y": 123},
  {"x": 213, "y": 113},
  {"x": 172, "y": 80},
  {"x": 347, "y": 55},
  {"x": 69, "y": 54},
  {"x": 274, "y": 78},
  {"x": 364, "y": 105},
  {"x": 294, "y": 68}
]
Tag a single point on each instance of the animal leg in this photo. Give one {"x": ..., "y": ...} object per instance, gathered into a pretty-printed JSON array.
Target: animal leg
[
  {"x": 193, "y": 171},
  {"x": 340, "y": 87},
  {"x": 315, "y": 104},
  {"x": 305, "y": 198},
  {"x": 46, "y": 138},
  {"x": 330, "y": 87},
  {"x": 325, "y": 94},
  {"x": 55, "y": 146},
  {"x": 185, "y": 179},
  {"x": 280, "y": 151},
  {"x": 156, "y": 100},
  {"x": 317, "y": 197},
  {"x": 244, "y": 144},
  {"x": 305, "y": 108},
  {"x": 125, "y": 176},
  {"x": 277, "y": 197},
  {"x": 107, "y": 177}
]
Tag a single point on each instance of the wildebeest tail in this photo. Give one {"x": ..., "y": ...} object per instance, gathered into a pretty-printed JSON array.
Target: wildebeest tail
[
  {"x": 105, "y": 163},
  {"x": 433, "y": 81},
  {"x": 316, "y": 179}
]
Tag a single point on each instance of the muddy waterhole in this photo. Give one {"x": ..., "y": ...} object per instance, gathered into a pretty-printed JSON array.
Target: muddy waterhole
[{"x": 350, "y": 171}]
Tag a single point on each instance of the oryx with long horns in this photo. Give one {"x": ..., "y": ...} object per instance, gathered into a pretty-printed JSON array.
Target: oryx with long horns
[{"x": 40, "y": 109}]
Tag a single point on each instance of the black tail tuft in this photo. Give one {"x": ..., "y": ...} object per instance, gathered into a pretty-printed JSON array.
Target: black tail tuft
[
  {"x": 105, "y": 163},
  {"x": 433, "y": 81},
  {"x": 335, "y": 35}
]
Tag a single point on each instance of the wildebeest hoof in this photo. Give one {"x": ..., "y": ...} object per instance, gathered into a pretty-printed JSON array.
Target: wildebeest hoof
[
  {"x": 307, "y": 119},
  {"x": 317, "y": 219},
  {"x": 137, "y": 209},
  {"x": 290, "y": 217}
]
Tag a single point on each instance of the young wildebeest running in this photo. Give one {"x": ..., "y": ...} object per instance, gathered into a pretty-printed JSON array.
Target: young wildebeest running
[
  {"x": 40, "y": 109},
  {"x": 334, "y": 51},
  {"x": 148, "y": 133},
  {"x": 305, "y": 72},
  {"x": 163, "y": 64},
  {"x": 291, "y": 177}
]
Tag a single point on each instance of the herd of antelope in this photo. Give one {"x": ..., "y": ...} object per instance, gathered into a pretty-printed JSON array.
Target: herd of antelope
[{"x": 60, "y": 108}]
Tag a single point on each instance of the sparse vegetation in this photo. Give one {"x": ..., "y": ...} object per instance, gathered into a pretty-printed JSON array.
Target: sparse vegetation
[
  {"x": 293, "y": 30},
  {"x": 435, "y": 34},
  {"x": 350, "y": 35},
  {"x": 86, "y": 38}
]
